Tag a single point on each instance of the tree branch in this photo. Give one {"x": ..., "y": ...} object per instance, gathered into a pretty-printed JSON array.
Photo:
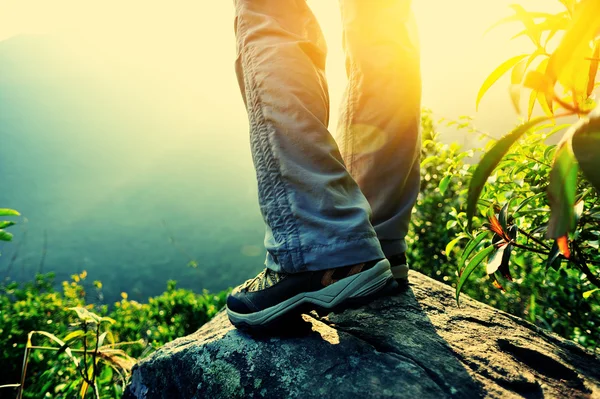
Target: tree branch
[
  {"x": 526, "y": 234},
  {"x": 535, "y": 250}
]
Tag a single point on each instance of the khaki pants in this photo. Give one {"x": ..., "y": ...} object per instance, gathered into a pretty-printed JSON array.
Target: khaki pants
[{"x": 328, "y": 204}]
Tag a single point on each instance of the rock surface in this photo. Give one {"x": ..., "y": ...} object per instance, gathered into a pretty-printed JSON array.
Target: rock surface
[{"x": 417, "y": 344}]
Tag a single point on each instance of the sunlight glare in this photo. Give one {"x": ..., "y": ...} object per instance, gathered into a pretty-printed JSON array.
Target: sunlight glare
[{"x": 180, "y": 55}]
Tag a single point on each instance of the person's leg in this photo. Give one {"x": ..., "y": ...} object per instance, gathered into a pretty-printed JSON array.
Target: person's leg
[
  {"x": 318, "y": 232},
  {"x": 379, "y": 129},
  {"x": 316, "y": 215}
]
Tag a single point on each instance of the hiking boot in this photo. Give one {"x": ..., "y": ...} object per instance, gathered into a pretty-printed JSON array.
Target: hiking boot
[
  {"x": 399, "y": 267},
  {"x": 271, "y": 295}
]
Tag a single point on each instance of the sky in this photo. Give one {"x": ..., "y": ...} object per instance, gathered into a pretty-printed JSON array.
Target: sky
[{"x": 190, "y": 44}]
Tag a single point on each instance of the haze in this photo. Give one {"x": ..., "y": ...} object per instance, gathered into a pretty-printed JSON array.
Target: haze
[{"x": 125, "y": 140}]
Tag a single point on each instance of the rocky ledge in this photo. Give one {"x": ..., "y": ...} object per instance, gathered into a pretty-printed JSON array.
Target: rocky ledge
[{"x": 417, "y": 344}]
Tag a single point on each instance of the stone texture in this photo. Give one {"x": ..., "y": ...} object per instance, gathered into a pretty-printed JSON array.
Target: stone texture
[{"x": 417, "y": 344}]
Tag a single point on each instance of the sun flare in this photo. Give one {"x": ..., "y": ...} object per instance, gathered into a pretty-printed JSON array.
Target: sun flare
[{"x": 186, "y": 50}]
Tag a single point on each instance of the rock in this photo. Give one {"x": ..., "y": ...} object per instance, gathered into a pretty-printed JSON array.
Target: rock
[{"x": 417, "y": 344}]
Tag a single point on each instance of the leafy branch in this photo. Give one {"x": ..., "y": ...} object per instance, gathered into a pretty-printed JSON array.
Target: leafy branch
[{"x": 573, "y": 66}]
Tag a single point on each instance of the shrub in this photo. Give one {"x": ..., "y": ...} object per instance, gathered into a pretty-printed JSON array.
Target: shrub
[
  {"x": 570, "y": 200},
  {"x": 36, "y": 306},
  {"x": 443, "y": 176},
  {"x": 554, "y": 297},
  {"x": 548, "y": 288}
]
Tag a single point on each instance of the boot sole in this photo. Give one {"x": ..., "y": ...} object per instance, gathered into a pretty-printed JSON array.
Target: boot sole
[{"x": 351, "y": 291}]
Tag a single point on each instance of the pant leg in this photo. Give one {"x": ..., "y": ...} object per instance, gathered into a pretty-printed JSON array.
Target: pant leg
[
  {"x": 379, "y": 129},
  {"x": 315, "y": 214}
]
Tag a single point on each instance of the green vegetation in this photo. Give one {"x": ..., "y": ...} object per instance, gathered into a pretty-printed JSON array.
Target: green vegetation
[
  {"x": 554, "y": 295},
  {"x": 5, "y": 235},
  {"x": 572, "y": 66},
  {"x": 102, "y": 343},
  {"x": 531, "y": 212},
  {"x": 543, "y": 203}
]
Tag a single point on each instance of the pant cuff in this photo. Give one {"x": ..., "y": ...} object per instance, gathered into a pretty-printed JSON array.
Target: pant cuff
[
  {"x": 393, "y": 247},
  {"x": 322, "y": 257}
]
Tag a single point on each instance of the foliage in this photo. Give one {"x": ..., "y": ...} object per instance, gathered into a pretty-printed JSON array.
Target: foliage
[
  {"x": 554, "y": 296},
  {"x": 573, "y": 64},
  {"x": 101, "y": 342},
  {"x": 515, "y": 215},
  {"x": 5, "y": 235},
  {"x": 572, "y": 67},
  {"x": 442, "y": 176},
  {"x": 94, "y": 365}
]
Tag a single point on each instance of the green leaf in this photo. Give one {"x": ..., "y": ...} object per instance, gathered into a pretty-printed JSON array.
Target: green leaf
[
  {"x": 548, "y": 151},
  {"x": 429, "y": 160},
  {"x": 563, "y": 188},
  {"x": 46, "y": 386},
  {"x": 108, "y": 320},
  {"x": 73, "y": 336},
  {"x": 497, "y": 74},
  {"x": 503, "y": 216},
  {"x": 513, "y": 232},
  {"x": 8, "y": 212},
  {"x": 586, "y": 294},
  {"x": 490, "y": 160},
  {"x": 471, "y": 245},
  {"x": 85, "y": 315},
  {"x": 476, "y": 261},
  {"x": 5, "y": 236},
  {"x": 57, "y": 340},
  {"x": 5, "y": 223},
  {"x": 444, "y": 183},
  {"x": 69, "y": 339},
  {"x": 106, "y": 376},
  {"x": 59, "y": 388},
  {"x": 450, "y": 246},
  {"x": 110, "y": 337},
  {"x": 90, "y": 317},
  {"x": 527, "y": 201},
  {"x": 586, "y": 147}
]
